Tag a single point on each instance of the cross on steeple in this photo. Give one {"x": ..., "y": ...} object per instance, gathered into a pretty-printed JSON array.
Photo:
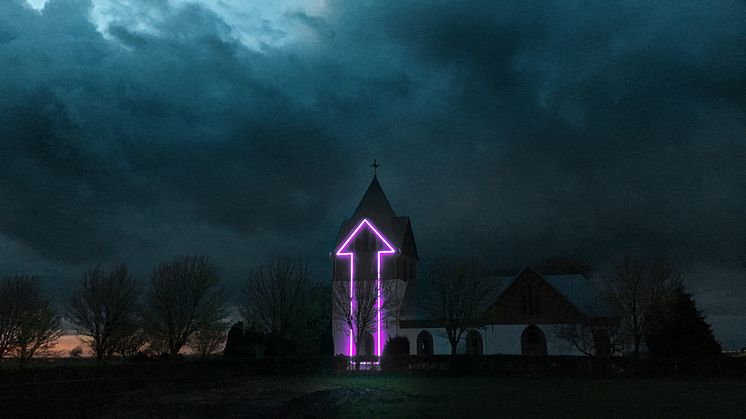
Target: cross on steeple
[{"x": 375, "y": 167}]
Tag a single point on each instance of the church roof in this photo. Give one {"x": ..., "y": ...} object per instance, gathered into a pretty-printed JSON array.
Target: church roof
[
  {"x": 376, "y": 207},
  {"x": 581, "y": 293},
  {"x": 577, "y": 289},
  {"x": 374, "y": 203}
]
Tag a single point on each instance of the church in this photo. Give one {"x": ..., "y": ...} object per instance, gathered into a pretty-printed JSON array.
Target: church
[{"x": 377, "y": 246}]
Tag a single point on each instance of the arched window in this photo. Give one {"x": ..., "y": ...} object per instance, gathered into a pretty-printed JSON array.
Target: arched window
[
  {"x": 424, "y": 343},
  {"x": 473, "y": 343},
  {"x": 533, "y": 342}
]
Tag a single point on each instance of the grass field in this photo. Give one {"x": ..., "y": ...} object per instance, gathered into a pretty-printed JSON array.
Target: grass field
[
  {"x": 546, "y": 397},
  {"x": 374, "y": 395}
]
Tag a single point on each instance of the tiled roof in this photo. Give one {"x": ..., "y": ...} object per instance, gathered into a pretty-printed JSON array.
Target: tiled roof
[{"x": 581, "y": 293}]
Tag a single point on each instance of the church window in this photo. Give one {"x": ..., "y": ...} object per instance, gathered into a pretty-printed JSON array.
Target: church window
[
  {"x": 474, "y": 343},
  {"x": 533, "y": 342},
  {"x": 424, "y": 343}
]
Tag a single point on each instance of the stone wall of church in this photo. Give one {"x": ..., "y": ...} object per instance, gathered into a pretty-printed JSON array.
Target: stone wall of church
[{"x": 496, "y": 340}]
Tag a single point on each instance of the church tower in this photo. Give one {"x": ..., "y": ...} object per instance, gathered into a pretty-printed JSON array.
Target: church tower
[{"x": 377, "y": 246}]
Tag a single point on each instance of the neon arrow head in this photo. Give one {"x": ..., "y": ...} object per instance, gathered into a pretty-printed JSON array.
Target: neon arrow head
[{"x": 345, "y": 248}]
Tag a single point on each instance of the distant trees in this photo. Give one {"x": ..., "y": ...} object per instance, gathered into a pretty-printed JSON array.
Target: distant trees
[
  {"x": 273, "y": 298},
  {"x": 28, "y": 325},
  {"x": 105, "y": 308},
  {"x": 635, "y": 289},
  {"x": 456, "y": 297},
  {"x": 283, "y": 310},
  {"x": 315, "y": 327},
  {"x": 184, "y": 306},
  {"x": 184, "y": 297}
]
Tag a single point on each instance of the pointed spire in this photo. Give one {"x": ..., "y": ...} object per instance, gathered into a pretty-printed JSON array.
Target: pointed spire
[{"x": 374, "y": 204}]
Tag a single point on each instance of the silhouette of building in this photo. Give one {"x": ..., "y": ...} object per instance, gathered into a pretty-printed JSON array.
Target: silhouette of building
[{"x": 519, "y": 315}]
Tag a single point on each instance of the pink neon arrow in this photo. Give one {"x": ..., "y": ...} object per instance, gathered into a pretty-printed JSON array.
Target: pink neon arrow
[{"x": 345, "y": 251}]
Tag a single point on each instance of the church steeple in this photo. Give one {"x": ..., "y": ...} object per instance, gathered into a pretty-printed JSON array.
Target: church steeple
[
  {"x": 375, "y": 207},
  {"x": 374, "y": 204}
]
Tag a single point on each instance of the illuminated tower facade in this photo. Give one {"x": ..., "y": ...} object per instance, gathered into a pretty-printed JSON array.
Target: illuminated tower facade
[{"x": 377, "y": 247}]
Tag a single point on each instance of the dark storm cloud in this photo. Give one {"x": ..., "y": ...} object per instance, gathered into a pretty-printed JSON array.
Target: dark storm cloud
[
  {"x": 173, "y": 126},
  {"x": 515, "y": 130}
]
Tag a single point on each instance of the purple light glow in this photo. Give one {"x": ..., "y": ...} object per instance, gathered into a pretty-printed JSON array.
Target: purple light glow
[{"x": 343, "y": 251}]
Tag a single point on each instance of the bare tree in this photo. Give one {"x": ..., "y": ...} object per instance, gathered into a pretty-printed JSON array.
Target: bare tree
[
  {"x": 209, "y": 338},
  {"x": 11, "y": 309},
  {"x": 29, "y": 325},
  {"x": 356, "y": 308},
  {"x": 635, "y": 289},
  {"x": 273, "y": 298},
  {"x": 105, "y": 308},
  {"x": 588, "y": 339},
  {"x": 184, "y": 296},
  {"x": 456, "y": 298},
  {"x": 39, "y": 331},
  {"x": 577, "y": 336}
]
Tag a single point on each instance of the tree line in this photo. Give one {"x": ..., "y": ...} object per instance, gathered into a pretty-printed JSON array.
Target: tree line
[{"x": 184, "y": 306}]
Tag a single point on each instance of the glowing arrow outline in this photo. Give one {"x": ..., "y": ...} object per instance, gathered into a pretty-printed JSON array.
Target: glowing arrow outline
[{"x": 391, "y": 250}]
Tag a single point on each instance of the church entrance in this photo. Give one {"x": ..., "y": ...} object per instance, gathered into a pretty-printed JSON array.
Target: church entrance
[
  {"x": 533, "y": 342},
  {"x": 368, "y": 345},
  {"x": 424, "y": 343},
  {"x": 473, "y": 343}
]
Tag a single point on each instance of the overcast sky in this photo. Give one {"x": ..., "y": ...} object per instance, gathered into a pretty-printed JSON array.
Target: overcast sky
[{"x": 139, "y": 130}]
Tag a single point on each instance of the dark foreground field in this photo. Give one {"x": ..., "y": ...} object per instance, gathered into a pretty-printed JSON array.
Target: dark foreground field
[{"x": 196, "y": 395}]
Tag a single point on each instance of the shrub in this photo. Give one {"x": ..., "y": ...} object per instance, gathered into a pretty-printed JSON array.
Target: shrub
[
  {"x": 396, "y": 354},
  {"x": 76, "y": 352},
  {"x": 139, "y": 356},
  {"x": 396, "y": 345}
]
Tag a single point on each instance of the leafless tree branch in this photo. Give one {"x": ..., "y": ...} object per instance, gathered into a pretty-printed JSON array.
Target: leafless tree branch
[
  {"x": 184, "y": 296},
  {"x": 106, "y": 309}
]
